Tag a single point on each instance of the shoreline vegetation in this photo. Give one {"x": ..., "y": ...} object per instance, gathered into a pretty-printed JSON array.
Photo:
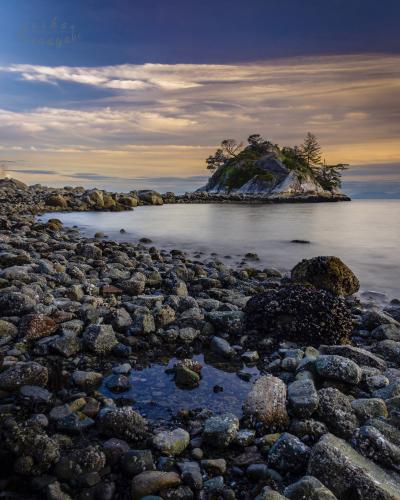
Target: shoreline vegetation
[{"x": 321, "y": 420}]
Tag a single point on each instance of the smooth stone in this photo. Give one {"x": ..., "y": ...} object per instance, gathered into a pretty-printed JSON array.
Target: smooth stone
[
  {"x": 172, "y": 443},
  {"x": 343, "y": 470},
  {"x": 338, "y": 368}
]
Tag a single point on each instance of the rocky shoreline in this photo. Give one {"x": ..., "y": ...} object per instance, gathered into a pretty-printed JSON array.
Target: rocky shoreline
[
  {"x": 39, "y": 199},
  {"x": 322, "y": 420}
]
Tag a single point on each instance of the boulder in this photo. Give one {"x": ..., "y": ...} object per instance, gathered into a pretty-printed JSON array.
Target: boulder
[
  {"x": 326, "y": 273},
  {"x": 19, "y": 374},
  {"x": 288, "y": 454},
  {"x": 123, "y": 423},
  {"x": 300, "y": 314},
  {"x": 36, "y": 326},
  {"x": 348, "y": 474},
  {"x": 266, "y": 402},
  {"x": 15, "y": 303},
  {"x": 56, "y": 201},
  {"x": 150, "y": 482},
  {"x": 150, "y": 197},
  {"x": 99, "y": 339},
  {"x": 336, "y": 411},
  {"x": 372, "y": 444},
  {"x": 357, "y": 354},
  {"x": 338, "y": 368},
  {"x": 221, "y": 430}
]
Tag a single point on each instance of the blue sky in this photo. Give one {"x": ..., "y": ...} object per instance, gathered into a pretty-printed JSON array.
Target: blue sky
[{"x": 110, "y": 93}]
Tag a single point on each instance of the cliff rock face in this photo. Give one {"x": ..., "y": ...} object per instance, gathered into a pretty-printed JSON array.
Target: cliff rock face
[{"x": 267, "y": 177}]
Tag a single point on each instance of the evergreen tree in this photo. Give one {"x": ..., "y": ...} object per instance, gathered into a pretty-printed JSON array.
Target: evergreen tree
[{"x": 311, "y": 150}]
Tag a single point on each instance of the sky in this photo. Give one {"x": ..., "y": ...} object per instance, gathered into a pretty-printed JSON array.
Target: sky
[{"x": 131, "y": 94}]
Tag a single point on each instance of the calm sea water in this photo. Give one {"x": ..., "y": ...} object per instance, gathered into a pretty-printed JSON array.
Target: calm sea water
[{"x": 365, "y": 234}]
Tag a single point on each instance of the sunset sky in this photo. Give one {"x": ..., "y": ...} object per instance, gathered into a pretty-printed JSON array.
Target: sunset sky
[{"x": 133, "y": 94}]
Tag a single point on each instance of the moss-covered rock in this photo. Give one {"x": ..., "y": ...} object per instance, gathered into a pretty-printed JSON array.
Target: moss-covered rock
[
  {"x": 327, "y": 273},
  {"x": 300, "y": 313}
]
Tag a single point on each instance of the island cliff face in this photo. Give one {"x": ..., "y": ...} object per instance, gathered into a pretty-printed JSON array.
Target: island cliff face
[{"x": 269, "y": 178}]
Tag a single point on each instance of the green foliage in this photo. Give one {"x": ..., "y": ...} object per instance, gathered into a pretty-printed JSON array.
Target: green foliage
[{"x": 237, "y": 176}]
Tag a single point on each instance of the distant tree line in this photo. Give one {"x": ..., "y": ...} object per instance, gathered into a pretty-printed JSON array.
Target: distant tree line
[{"x": 307, "y": 157}]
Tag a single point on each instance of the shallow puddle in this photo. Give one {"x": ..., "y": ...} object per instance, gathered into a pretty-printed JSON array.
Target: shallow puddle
[{"x": 156, "y": 396}]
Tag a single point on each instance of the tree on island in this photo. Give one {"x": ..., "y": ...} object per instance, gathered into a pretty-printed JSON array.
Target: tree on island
[
  {"x": 311, "y": 150},
  {"x": 305, "y": 159}
]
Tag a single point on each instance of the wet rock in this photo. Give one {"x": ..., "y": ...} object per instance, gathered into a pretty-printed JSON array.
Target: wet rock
[
  {"x": 15, "y": 304},
  {"x": 172, "y": 442},
  {"x": 99, "y": 339},
  {"x": 143, "y": 324},
  {"x": 389, "y": 349},
  {"x": 214, "y": 466},
  {"x": 123, "y": 423},
  {"x": 150, "y": 482},
  {"x": 214, "y": 486},
  {"x": 338, "y": 368},
  {"x": 186, "y": 377},
  {"x": 347, "y": 473},
  {"x": 336, "y": 411},
  {"x": 372, "y": 444},
  {"x": 308, "y": 487},
  {"x": 303, "y": 398},
  {"x": 55, "y": 492},
  {"x": 282, "y": 313},
  {"x": 150, "y": 197},
  {"x": 369, "y": 408},
  {"x": 19, "y": 374},
  {"x": 188, "y": 334},
  {"x": 66, "y": 345},
  {"x": 136, "y": 461},
  {"x": 220, "y": 431},
  {"x": 266, "y": 402},
  {"x": 386, "y": 332},
  {"x": 221, "y": 347},
  {"x": 227, "y": 321},
  {"x": 36, "y": 452},
  {"x": 358, "y": 355},
  {"x": 288, "y": 454},
  {"x": 87, "y": 380},
  {"x": 191, "y": 475},
  {"x": 35, "y": 394},
  {"x": 327, "y": 273},
  {"x": 118, "y": 383},
  {"x": 57, "y": 201},
  {"x": 7, "y": 329},
  {"x": 36, "y": 326}
]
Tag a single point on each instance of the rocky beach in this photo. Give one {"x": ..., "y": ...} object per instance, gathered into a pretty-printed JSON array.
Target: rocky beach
[{"x": 81, "y": 318}]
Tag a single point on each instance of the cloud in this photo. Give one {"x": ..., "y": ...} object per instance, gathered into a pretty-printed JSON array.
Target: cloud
[{"x": 158, "y": 119}]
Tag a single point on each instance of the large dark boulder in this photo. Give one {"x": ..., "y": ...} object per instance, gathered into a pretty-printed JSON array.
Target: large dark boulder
[
  {"x": 327, "y": 273},
  {"x": 299, "y": 313}
]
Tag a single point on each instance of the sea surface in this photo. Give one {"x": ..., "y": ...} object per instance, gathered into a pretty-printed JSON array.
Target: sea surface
[{"x": 365, "y": 234}]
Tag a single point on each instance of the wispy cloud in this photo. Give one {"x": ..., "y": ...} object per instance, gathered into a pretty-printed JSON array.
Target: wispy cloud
[{"x": 158, "y": 120}]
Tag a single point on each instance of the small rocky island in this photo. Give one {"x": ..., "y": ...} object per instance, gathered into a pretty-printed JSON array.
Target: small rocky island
[
  {"x": 264, "y": 172},
  {"x": 80, "y": 318}
]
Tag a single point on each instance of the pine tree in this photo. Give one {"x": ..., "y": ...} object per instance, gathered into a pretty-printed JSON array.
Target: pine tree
[{"x": 311, "y": 150}]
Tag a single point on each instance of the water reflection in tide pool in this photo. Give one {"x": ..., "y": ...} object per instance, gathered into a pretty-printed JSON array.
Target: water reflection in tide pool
[{"x": 156, "y": 396}]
